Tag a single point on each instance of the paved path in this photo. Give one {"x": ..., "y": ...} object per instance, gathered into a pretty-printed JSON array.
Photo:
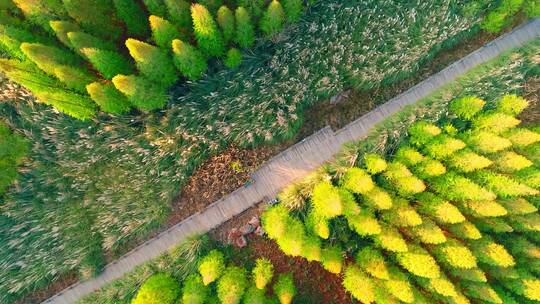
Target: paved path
[{"x": 292, "y": 164}]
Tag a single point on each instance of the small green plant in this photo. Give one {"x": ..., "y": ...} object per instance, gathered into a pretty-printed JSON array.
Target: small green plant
[
  {"x": 263, "y": 273},
  {"x": 284, "y": 288},
  {"x": 233, "y": 58},
  {"x": 212, "y": 266}
]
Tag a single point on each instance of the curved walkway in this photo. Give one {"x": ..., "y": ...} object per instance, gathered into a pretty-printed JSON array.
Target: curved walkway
[{"x": 292, "y": 164}]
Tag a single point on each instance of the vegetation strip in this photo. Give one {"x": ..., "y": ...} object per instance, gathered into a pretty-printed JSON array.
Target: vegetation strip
[{"x": 229, "y": 206}]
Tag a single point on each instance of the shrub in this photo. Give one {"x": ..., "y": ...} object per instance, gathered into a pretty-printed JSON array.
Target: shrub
[
  {"x": 291, "y": 197},
  {"x": 484, "y": 208},
  {"x": 188, "y": 60},
  {"x": 207, "y": 34},
  {"x": 510, "y": 161},
  {"x": 108, "y": 63},
  {"x": 409, "y": 156},
  {"x": 495, "y": 122},
  {"x": 512, "y": 104},
  {"x": 80, "y": 40},
  {"x": 332, "y": 259},
  {"x": 401, "y": 214},
  {"x": 443, "y": 146},
  {"x": 74, "y": 78},
  {"x": 275, "y": 220},
  {"x": 465, "y": 230},
  {"x": 494, "y": 22},
  {"x": 399, "y": 287},
  {"x": 61, "y": 29},
  {"x": 194, "y": 291},
  {"x": 108, "y": 98},
  {"x": 158, "y": 289},
  {"x": 293, "y": 239},
  {"x": 503, "y": 185},
  {"x": 253, "y": 295},
  {"x": 311, "y": 248},
  {"x": 293, "y": 9},
  {"x": 357, "y": 180},
  {"x": 359, "y": 285},
  {"x": 531, "y": 8},
  {"x": 442, "y": 286},
  {"x": 225, "y": 19},
  {"x": 522, "y": 137},
  {"x": 456, "y": 255},
  {"x": 14, "y": 147},
  {"x": 326, "y": 200},
  {"x": 245, "y": 33},
  {"x": 422, "y": 132},
  {"x": 133, "y": 17},
  {"x": 428, "y": 232},
  {"x": 272, "y": 19},
  {"x": 212, "y": 266},
  {"x": 457, "y": 187},
  {"x": 374, "y": 163},
  {"x": 284, "y": 288},
  {"x": 486, "y": 142},
  {"x": 473, "y": 274},
  {"x": 254, "y": 7},
  {"x": 491, "y": 253},
  {"x": 163, "y": 32},
  {"x": 95, "y": 16},
  {"x": 152, "y": 62},
  {"x": 156, "y": 7},
  {"x": 143, "y": 94},
  {"x": 481, "y": 291},
  {"x": 233, "y": 58},
  {"x": 378, "y": 199},
  {"x": 517, "y": 206},
  {"x": 262, "y": 273},
  {"x": 372, "y": 261},
  {"x": 364, "y": 223},
  {"x": 442, "y": 211},
  {"x": 418, "y": 262},
  {"x": 468, "y": 161},
  {"x": 179, "y": 14},
  {"x": 466, "y": 107},
  {"x": 318, "y": 225},
  {"x": 231, "y": 285},
  {"x": 429, "y": 168},
  {"x": 390, "y": 239}
]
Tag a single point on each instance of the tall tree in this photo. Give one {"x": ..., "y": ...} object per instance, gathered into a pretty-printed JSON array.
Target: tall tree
[
  {"x": 152, "y": 62},
  {"x": 145, "y": 95},
  {"x": 163, "y": 32},
  {"x": 133, "y": 17},
  {"x": 273, "y": 18},
  {"x": 207, "y": 34},
  {"x": 245, "y": 32}
]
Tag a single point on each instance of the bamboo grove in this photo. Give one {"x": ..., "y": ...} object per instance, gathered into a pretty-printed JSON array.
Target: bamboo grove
[
  {"x": 113, "y": 55},
  {"x": 450, "y": 217}
]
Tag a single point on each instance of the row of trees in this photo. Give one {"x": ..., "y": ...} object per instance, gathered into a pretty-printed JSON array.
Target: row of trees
[
  {"x": 452, "y": 218},
  {"x": 74, "y": 56},
  {"x": 217, "y": 282}
]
